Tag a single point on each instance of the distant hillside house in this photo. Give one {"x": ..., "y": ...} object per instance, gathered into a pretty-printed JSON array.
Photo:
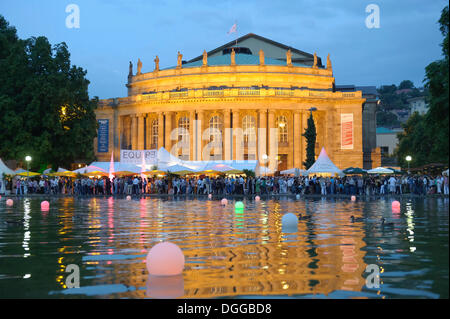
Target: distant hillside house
[{"x": 418, "y": 104}]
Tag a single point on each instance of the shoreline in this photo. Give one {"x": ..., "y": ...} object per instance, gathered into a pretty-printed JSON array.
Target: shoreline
[{"x": 219, "y": 197}]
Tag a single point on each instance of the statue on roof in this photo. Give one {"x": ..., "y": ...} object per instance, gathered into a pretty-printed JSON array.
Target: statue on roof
[
  {"x": 156, "y": 63},
  {"x": 179, "y": 60},
  {"x": 205, "y": 58},
  {"x": 315, "y": 60},
  {"x": 233, "y": 57},
  {"x": 289, "y": 57},
  {"x": 130, "y": 72},
  {"x": 328, "y": 62},
  {"x": 139, "y": 67},
  {"x": 261, "y": 57}
]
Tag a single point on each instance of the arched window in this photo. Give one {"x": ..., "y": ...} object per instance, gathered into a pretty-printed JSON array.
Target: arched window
[
  {"x": 183, "y": 129},
  {"x": 155, "y": 134},
  {"x": 249, "y": 128},
  {"x": 282, "y": 126}
]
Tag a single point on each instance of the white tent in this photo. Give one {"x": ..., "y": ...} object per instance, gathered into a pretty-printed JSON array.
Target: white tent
[
  {"x": 293, "y": 171},
  {"x": 445, "y": 172},
  {"x": 5, "y": 169},
  {"x": 323, "y": 164},
  {"x": 380, "y": 170},
  {"x": 166, "y": 159},
  {"x": 263, "y": 170},
  {"x": 178, "y": 168}
]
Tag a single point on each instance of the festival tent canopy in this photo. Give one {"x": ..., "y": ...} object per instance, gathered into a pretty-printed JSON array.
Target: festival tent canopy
[
  {"x": 380, "y": 170},
  {"x": 323, "y": 164},
  {"x": 27, "y": 174},
  {"x": 180, "y": 169},
  {"x": 5, "y": 169},
  {"x": 293, "y": 171},
  {"x": 91, "y": 170},
  {"x": 445, "y": 172},
  {"x": 354, "y": 170},
  {"x": 19, "y": 170}
]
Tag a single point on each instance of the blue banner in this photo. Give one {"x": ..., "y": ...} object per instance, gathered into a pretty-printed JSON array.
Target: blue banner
[{"x": 103, "y": 136}]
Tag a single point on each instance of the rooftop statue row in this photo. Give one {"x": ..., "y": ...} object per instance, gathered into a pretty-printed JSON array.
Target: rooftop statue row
[{"x": 180, "y": 62}]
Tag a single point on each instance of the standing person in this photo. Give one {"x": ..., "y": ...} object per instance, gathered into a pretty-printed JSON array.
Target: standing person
[
  {"x": 445, "y": 182},
  {"x": 392, "y": 183}
]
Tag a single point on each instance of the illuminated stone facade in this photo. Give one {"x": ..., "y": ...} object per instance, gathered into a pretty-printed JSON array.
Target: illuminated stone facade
[{"x": 245, "y": 100}]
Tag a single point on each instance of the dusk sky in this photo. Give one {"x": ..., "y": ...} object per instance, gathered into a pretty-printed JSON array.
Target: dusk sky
[{"x": 114, "y": 32}]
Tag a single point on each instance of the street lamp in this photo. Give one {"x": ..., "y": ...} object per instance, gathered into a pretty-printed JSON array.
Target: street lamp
[
  {"x": 28, "y": 159},
  {"x": 408, "y": 159}
]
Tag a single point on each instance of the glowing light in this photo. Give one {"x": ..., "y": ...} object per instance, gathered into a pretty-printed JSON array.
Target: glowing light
[{"x": 165, "y": 259}]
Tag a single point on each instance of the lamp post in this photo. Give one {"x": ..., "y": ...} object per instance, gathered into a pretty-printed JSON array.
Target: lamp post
[
  {"x": 408, "y": 159},
  {"x": 28, "y": 159},
  {"x": 264, "y": 157}
]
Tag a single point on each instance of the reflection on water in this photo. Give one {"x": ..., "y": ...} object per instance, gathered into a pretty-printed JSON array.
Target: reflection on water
[{"x": 229, "y": 253}]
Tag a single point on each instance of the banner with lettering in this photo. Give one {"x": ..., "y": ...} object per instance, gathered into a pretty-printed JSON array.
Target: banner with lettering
[
  {"x": 103, "y": 136},
  {"x": 347, "y": 131}
]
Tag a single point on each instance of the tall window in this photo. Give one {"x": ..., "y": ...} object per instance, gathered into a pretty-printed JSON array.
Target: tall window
[
  {"x": 215, "y": 134},
  {"x": 183, "y": 129},
  {"x": 249, "y": 128},
  {"x": 155, "y": 134},
  {"x": 282, "y": 129}
]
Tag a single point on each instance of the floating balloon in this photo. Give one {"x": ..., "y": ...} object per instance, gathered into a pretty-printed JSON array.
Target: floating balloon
[
  {"x": 257, "y": 198},
  {"x": 297, "y": 196},
  {"x": 9, "y": 202},
  {"x": 45, "y": 205},
  {"x": 353, "y": 198},
  {"x": 166, "y": 287},
  {"x": 209, "y": 196},
  {"x": 128, "y": 197},
  {"x": 239, "y": 205},
  {"x": 224, "y": 202},
  {"x": 289, "y": 223},
  {"x": 395, "y": 203},
  {"x": 165, "y": 259}
]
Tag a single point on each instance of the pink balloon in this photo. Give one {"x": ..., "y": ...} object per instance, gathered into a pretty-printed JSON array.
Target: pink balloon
[
  {"x": 209, "y": 196},
  {"x": 395, "y": 204},
  {"x": 224, "y": 201},
  {"x": 353, "y": 198},
  {"x": 128, "y": 197},
  {"x": 9, "y": 202},
  {"x": 257, "y": 198},
  {"x": 165, "y": 259},
  {"x": 45, "y": 205}
]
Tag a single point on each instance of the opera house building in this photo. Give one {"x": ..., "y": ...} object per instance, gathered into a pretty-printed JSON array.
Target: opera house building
[{"x": 249, "y": 99}]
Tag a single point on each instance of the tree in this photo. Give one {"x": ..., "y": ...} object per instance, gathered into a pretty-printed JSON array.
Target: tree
[
  {"x": 406, "y": 84},
  {"x": 425, "y": 137},
  {"x": 44, "y": 102},
  {"x": 310, "y": 135}
]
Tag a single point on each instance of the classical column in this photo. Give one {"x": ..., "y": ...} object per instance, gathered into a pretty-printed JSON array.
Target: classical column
[
  {"x": 168, "y": 126},
  {"x": 226, "y": 135},
  {"x": 192, "y": 130},
  {"x": 141, "y": 137},
  {"x": 297, "y": 139},
  {"x": 134, "y": 132},
  {"x": 148, "y": 133},
  {"x": 199, "y": 138},
  {"x": 116, "y": 134},
  {"x": 238, "y": 148},
  {"x": 262, "y": 137},
  {"x": 272, "y": 141},
  {"x": 160, "y": 130},
  {"x": 304, "y": 121}
]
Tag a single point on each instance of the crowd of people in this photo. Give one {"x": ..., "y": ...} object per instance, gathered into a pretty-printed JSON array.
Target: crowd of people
[{"x": 240, "y": 185}]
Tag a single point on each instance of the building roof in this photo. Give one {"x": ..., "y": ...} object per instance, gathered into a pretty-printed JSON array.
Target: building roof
[
  {"x": 258, "y": 37},
  {"x": 241, "y": 59},
  {"x": 385, "y": 130}
]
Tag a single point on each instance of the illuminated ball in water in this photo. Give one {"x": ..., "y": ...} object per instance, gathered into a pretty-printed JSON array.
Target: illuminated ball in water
[
  {"x": 289, "y": 223},
  {"x": 45, "y": 205},
  {"x": 297, "y": 196},
  {"x": 395, "y": 204},
  {"x": 224, "y": 202},
  {"x": 128, "y": 197},
  {"x": 209, "y": 196},
  {"x": 396, "y": 212},
  {"x": 239, "y": 205},
  {"x": 165, "y": 259},
  {"x": 353, "y": 198},
  {"x": 257, "y": 198},
  {"x": 9, "y": 202}
]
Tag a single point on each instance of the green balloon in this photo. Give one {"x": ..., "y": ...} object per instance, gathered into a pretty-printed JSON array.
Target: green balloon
[{"x": 239, "y": 205}]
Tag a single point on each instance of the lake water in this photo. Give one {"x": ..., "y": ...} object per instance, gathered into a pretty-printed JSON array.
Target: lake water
[{"x": 237, "y": 254}]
